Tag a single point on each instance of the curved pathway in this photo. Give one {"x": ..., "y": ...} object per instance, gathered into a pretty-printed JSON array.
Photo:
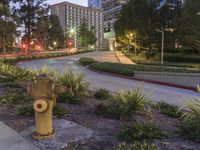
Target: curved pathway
[{"x": 153, "y": 91}]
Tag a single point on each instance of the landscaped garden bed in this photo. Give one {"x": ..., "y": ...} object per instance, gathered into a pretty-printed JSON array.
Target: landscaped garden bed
[{"x": 124, "y": 119}]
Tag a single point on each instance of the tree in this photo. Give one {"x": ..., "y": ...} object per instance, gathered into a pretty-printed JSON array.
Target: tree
[
  {"x": 86, "y": 37},
  {"x": 138, "y": 16},
  {"x": 7, "y": 25},
  {"x": 55, "y": 30},
  {"x": 187, "y": 25},
  {"x": 29, "y": 11}
]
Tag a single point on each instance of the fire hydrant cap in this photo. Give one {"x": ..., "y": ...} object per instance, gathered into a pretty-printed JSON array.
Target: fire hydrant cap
[{"x": 40, "y": 105}]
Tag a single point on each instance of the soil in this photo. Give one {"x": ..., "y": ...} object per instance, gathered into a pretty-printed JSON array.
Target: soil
[{"x": 85, "y": 115}]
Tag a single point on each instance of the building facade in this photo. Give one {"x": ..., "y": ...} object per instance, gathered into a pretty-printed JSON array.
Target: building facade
[
  {"x": 95, "y": 3},
  {"x": 111, "y": 11},
  {"x": 71, "y": 16}
]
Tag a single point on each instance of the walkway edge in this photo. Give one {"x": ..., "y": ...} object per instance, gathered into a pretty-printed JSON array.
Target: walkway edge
[{"x": 144, "y": 80}]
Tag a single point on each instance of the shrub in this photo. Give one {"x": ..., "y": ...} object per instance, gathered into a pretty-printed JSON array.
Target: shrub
[
  {"x": 128, "y": 70},
  {"x": 14, "y": 72},
  {"x": 137, "y": 146},
  {"x": 75, "y": 83},
  {"x": 189, "y": 125},
  {"x": 140, "y": 131},
  {"x": 182, "y": 58},
  {"x": 29, "y": 111},
  {"x": 170, "y": 110},
  {"x": 15, "y": 99},
  {"x": 86, "y": 61},
  {"x": 124, "y": 105},
  {"x": 102, "y": 94},
  {"x": 120, "y": 69},
  {"x": 69, "y": 99}
]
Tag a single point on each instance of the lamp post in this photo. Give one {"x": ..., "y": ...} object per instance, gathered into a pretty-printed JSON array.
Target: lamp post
[
  {"x": 55, "y": 44},
  {"x": 162, "y": 31}
]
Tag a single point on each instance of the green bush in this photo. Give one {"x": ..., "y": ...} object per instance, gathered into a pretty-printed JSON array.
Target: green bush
[
  {"x": 189, "y": 127},
  {"x": 128, "y": 70},
  {"x": 137, "y": 146},
  {"x": 75, "y": 83},
  {"x": 29, "y": 111},
  {"x": 140, "y": 131},
  {"x": 182, "y": 58},
  {"x": 69, "y": 99},
  {"x": 15, "y": 99},
  {"x": 125, "y": 105},
  {"x": 115, "y": 68},
  {"x": 86, "y": 61},
  {"x": 102, "y": 94},
  {"x": 170, "y": 110}
]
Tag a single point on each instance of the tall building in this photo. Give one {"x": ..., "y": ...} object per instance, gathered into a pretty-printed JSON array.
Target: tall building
[
  {"x": 71, "y": 16},
  {"x": 95, "y": 3},
  {"x": 112, "y": 9}
]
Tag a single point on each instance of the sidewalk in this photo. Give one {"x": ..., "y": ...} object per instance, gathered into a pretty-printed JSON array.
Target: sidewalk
[
  {"x": 11, "y": 140},
  {"x": 122, "y": 58}
]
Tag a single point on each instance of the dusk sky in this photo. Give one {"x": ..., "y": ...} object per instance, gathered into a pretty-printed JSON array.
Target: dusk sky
[{"x": 79, "y": 2}]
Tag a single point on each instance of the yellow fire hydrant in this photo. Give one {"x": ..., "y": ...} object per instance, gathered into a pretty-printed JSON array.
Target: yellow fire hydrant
[{"x": 44, "y": 92}]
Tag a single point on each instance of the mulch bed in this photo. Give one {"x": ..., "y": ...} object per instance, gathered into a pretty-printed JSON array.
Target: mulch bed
[{"x": 85, "y": 115}]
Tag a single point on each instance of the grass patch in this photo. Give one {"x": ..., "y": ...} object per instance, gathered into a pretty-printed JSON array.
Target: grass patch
[
  {"x": 102, "y": 94},
  {"x": 140, "y": 131},
  {"x": 69, "y": 99},
  {"x": 170, "y": 110}
]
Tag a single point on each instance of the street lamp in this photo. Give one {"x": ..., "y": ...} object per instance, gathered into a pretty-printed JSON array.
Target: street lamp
[
  {"x": 55, "y": 44},
  {"x": 162, "y": 43}
]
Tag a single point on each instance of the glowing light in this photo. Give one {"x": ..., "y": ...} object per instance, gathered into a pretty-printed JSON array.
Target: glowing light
[{"x": 55, "y": 43}]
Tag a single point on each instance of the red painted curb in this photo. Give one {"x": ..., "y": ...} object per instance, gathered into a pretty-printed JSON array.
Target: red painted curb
[{"x": 145, "y": 80}]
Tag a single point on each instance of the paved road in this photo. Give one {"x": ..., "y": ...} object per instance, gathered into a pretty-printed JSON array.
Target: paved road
[{"x": 153, "y": 91}]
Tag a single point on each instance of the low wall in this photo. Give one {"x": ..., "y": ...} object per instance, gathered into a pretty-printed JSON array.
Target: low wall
[{"x": 182, "y": 79}]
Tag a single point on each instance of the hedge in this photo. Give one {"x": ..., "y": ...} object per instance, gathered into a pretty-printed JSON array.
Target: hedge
[
  {"x": 128, "y": 70},
  {"x": 86, "y": 61}
]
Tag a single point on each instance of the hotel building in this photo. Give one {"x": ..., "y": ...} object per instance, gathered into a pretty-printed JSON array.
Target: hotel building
[{"x": 71, "y": 16}]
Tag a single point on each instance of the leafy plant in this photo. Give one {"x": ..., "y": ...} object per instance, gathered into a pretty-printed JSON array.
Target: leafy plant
[
  {"x": 140, "y": 131},
  {"x": 15, "y": 99},
  {"x": 170, "y": 110},
  {"x": 126, "y": 104},
  {"x": 75, "y": 83},
  {"x": 189, "y": 125},
  {"x": 137, "y": 146},
  {"x": 69, "y": 99},
  {"x": 102, "y": 94}
]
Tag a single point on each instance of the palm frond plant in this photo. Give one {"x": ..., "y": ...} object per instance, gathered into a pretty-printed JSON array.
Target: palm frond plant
[
  {"x": 44, "y": 71},
  {"x": 126, "y": 104},
  {"x": 75, "y": 83},
  {"x": 198, "y": 88}
]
